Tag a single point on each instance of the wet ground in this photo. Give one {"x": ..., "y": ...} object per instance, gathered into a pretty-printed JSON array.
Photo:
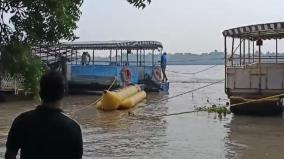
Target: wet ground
[{"x": 196, "y": 135}]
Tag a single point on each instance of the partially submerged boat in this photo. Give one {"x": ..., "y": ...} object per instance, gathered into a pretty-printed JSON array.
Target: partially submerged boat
[
  {"x": 254, "y": 82},
  {"x": 85, "y": 73}
]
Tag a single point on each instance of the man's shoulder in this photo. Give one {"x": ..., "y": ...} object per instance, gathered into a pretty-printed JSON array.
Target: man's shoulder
[
  {"x": 32, "y": 114},
  {"x": 69, "y": 120},
  {"x": 25, "y": 115},
  {"x": 23, "y": 118}
]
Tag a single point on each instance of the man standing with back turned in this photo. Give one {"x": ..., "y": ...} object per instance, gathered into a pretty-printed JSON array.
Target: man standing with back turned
[
  {"x": 164, "y": 65},
  {"x": 46, "y": 133}
]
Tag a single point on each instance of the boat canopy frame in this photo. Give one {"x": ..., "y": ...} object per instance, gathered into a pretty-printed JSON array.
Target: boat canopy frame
[
  {"x": 248, "y": 38},
  {"x": 254, "y": 32},
  {"x": 69, "y": 50},
  {"x": 112, "y": 45}
]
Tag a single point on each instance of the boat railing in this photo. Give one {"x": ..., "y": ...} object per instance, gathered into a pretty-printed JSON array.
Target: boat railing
[
  {"x": 244, "y": 62},
  {"x": 114, "y": 63}
]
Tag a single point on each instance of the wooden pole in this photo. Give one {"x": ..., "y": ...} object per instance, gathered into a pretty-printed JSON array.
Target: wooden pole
[
  {"x": 110, "y": 55},
  {"x": 225, "y": 51},
  {"x": 137, "y": 58},
  {"x": 153, "y": 57},
  {"x": 144, "y": 57},
  {"x": 240, "y": 52},
  {"x": 127, "y": 58},
  {"x": 121, "y": 58},
  {"x": 232, "y": 55},
  {"x": 140, "y": 58},
  {"x": 76, "y": 54},
  {"x": 244, "y": 53},
  {"x": 93, "y": 57},
  {"x": 259, "y": 65},
  {"x": 249, "y": 51},
  {"x": 71, "y": 58},
  {"x": 115, "y": 56},
  {"x": 259, "y": 54},
  {"x": 253, "y": 51},
  {"x": 276, "y": 50}
]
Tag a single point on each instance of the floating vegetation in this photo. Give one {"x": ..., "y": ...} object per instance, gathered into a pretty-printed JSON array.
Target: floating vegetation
[{"x": 222, "y": 111}]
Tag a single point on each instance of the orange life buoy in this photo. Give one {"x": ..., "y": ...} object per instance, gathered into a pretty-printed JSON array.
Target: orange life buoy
[
  {"x": 157, "y": 73},
  {"x": 126, "y": 75}
]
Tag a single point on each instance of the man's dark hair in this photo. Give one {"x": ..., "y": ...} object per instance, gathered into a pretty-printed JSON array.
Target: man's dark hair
[{"x": 52, "y": 85}]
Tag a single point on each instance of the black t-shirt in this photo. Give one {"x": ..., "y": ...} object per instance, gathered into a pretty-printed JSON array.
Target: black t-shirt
[{"x": 45, "y": 133}]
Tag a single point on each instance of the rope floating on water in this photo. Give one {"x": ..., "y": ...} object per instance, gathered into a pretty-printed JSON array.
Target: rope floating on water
[
  {"x": 175, "y": 96},
  {"x": 195, "y": 111},
  {"x": 190, "y": 91}
]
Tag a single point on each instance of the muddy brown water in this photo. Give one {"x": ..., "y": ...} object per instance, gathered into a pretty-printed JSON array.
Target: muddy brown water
[{"x": 198, "y": 135}]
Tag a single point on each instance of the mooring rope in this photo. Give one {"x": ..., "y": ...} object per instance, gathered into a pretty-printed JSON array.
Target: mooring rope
[
  {"x": 193, "y": 90},
  {"x": 193, "y": 73},
  {"x": 257, "y": 100},
  {"x": 175, "y": 96},
  {"x": 194, "y": 111},
  {"x": 95, "y": 102}
]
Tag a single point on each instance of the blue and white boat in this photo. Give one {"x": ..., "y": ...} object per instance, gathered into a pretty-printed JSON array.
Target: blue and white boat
[{"x": 126, "y": 64}]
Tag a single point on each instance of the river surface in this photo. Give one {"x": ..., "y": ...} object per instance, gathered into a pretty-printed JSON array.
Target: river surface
[{"x": 197, "y": 135}]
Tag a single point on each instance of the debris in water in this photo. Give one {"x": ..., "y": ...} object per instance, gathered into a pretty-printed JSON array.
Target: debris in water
[{"x": 222, "y": 111}]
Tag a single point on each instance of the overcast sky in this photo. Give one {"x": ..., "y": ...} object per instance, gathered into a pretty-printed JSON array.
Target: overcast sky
[{"x": 181, "y": 25}]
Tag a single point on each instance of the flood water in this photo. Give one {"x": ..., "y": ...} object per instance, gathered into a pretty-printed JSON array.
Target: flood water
[{"x": 196, "y": 135}]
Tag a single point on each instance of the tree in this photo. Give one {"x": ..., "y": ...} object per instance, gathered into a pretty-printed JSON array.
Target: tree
[
  {"x": 27, "y": 23},
  {"x": 37, "y": 21},
  {"x": 139, "y": 3}
]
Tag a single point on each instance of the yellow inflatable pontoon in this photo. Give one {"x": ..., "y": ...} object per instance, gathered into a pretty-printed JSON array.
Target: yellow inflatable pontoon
[
  {"x": 132, "y": 101},
  {"x": 110, "y": 101},
  {"x": 122, "y": 99},
  {"x": 127, "y": 92}
]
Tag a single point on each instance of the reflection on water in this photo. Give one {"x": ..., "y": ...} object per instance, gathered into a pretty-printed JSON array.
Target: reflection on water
[
  {"x": 198, "y": 135},
  {"x": 256, "y": 137}
]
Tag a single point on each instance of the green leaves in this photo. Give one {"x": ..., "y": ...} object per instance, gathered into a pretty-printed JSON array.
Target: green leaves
[
  {"x": 139, "y": 3},
  {"x": 39, "y": 21}
]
